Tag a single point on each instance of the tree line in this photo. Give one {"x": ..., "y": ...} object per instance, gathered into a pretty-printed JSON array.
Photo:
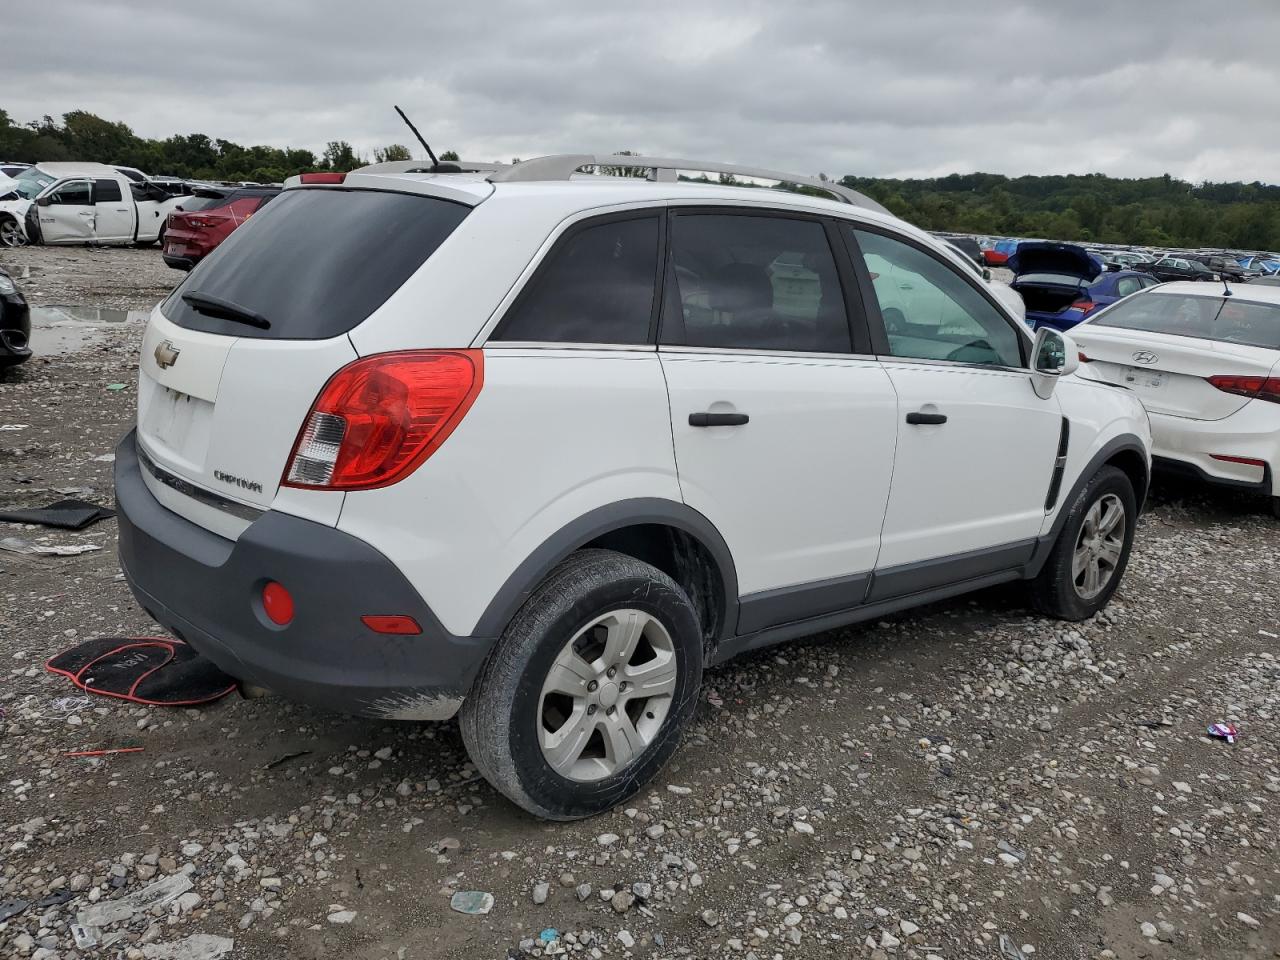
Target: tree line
[{"x": 1156, "y": 211}]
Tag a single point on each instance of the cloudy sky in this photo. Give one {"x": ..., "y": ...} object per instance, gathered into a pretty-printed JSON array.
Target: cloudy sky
[{"x": 905, "y": 88}]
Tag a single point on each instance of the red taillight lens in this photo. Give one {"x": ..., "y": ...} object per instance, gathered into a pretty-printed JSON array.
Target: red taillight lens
[
  {"x": 1085, "y": 359},
  {"x": 323, "y": 177},
  {"x": 202, "y": 222},
  {"x": 377, "y": 419},
  {"x": 277, "y": 603},
  {"x": 1256, "y": 388},
  {"x": 396, "y": 625},
  {"x": 1084, "y": 305}
]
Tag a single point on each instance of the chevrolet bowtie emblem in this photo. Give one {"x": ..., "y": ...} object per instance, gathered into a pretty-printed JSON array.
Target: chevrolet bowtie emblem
[{"x": 166, "y": 355}]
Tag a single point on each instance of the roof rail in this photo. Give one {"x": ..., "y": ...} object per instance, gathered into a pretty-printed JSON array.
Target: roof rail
[
  {"x": 664, "y": 170},
  {"x": 424, "y": 166}
]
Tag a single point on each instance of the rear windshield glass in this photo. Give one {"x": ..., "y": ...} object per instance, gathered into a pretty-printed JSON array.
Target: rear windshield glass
[
  {"x": 313, "y": 264},
  {"x": 1209, "y": 318},
  {"x": 192, "y": 204}
]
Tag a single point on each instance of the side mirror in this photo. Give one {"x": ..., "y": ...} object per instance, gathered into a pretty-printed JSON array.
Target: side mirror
[
  {"x": 1054, "y": 355},
  {"x": 986, "y": 273},
  {"x": 44, "y": 201}
]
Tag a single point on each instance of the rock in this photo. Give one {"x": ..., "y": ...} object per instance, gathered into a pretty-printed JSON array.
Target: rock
[
  {"x": 342, "y": 916},
  {"x": 607, "y": 839},
  {"x": 643, "y": 891},
  {"x": 583, "y": 891},
  {"x": 626, "y": 939},
  {"x": 1148, "y": 930},
  {"x": 711, "y": 918},
  {"x": 801, "y": 826},
  {"x": 791, "y": 919},
  {"x": 1248, "y": 921},
  {"x": 622, "y": 901},
  {"x": 540, "y": 892},
  {"x": 908, "y": 928}
]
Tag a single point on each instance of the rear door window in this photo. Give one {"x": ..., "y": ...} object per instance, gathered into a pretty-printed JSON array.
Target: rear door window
[
  {"x": 743, "y": 282},
  {"x": 315, "y": 263},
  {"x": 106, "y": 191},
  {"x": 1127, "y": 285},
  {"x": 596, "y": 286}
]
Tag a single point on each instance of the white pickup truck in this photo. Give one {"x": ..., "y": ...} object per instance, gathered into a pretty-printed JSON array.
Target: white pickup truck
[{"x": 66, "y": 203}]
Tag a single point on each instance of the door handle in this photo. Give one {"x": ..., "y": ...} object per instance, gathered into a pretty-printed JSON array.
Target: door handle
[
  {"x": 717, "y": 419},
  {"x": 917, "y": 418}
]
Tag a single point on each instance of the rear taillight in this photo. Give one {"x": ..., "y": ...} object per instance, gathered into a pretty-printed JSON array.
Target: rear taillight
[
  {"x": 377, "y": 419},
  {"x": 1256, "y": 388},
  {"x": 202, "y": 222},
  {"x": 1084, "y": 305},
  {"x": 322, "y": 177}
]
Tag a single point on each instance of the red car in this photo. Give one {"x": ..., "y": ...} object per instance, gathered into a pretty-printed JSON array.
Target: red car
[{"x": 206, "y": 219}]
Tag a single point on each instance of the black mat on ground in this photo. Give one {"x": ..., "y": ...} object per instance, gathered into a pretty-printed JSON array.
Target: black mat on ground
[
  {"x": 158, "y": 672},
  {"x": 65, "y": 514}
]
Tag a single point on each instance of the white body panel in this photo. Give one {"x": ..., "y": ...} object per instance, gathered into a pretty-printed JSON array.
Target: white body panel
[
  {"x": 799, "y": 492},
  {"x": 231, "y": 407},
  {"x": 979, "y": 480},
  {"x": 553, "y": 435},
  {"x": 1098, "y": 415},
  {"x": 1252, "y": 432}
]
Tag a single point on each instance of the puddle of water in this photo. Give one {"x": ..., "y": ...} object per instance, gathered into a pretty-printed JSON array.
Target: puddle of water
[{"x": 58, "y": 331}]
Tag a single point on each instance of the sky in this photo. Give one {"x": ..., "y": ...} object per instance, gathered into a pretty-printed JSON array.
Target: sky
[{"x": 913, "y": 88}]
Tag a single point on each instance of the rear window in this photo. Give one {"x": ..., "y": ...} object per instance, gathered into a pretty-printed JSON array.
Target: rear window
[
  {"x": 192, "y": 204},
  {"x": 314, "y": 263},
  {"x": 1208, "y": 318}
]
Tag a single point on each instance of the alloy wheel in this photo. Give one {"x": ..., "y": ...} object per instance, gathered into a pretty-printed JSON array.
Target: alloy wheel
[
  {"x": 1098, "y": 547},
  {"x": 606, "y": 695},
  {"x": 11, "y": 234}
]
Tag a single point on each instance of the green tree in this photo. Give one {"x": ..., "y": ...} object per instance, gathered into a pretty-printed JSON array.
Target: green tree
[
  {"x": 339, "y": 156},
  {"x": 395, "y": 151}
]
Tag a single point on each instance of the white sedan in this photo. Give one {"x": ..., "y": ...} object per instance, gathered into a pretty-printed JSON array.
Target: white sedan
[{"x": 1207, "y": 367}]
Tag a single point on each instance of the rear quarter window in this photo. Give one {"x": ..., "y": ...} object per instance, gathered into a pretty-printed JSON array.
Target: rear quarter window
[{"x": 315, "y": 263}]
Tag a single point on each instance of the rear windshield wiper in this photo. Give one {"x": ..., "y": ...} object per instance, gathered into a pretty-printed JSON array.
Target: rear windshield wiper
[{"x": 224, "y": 309}]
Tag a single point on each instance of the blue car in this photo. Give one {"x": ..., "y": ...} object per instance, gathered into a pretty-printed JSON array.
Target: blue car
[{"x": 1062, "y": 283}]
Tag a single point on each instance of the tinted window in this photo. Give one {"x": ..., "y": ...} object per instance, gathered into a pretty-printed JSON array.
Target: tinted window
[
  {"x": 192, "y": 204},
  {"x": 596, "y": 286},
  {"x": 930, "y": 312},
  {"x": 76, "y": 192},
  {"x": 1210, "y": 318},
  {"x": 754, "y": 283},
  {"x": 1127, "y": 285},
  {"x": 316, "y": 262},
  {"x": 106, "y": 191}
]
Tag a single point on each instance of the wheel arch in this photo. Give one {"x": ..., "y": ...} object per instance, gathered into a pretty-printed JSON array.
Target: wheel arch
[
  {"x": 671, "y": 536},
  {"x": 1125, "y": 452}
]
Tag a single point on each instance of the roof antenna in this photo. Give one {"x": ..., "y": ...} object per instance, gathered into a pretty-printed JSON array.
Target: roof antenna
[
  {"x": 1226, "y": 291},
  {"x": 436, "y": 165}
]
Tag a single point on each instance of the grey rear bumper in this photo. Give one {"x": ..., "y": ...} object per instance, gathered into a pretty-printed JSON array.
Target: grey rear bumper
[{"x": 205, "y": 589}]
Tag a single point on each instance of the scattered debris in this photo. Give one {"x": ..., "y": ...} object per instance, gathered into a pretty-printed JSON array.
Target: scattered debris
[
  {"x": 116, "y": 386},
  {"x": 1223, "y": 731},
  {"x": 200, "y": 946},
  {"x": 161, "y": 893},
  {"x": 14, "y": 426},
  {"x": 11, "y": 908},
  {"x": 109, "y": 751},
  {"x": 18, "y": 545},
  {"x": 285, "y": 759},
  {"x": 1008, "y": 950},
  {"x": 70, "y": 514},
  {"x": 84, "y": 936},
  {"x": 549, "y": 935},
  {"x": 473, "y": 902}
]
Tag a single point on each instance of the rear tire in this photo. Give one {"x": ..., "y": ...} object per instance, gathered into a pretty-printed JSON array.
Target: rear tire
[
  {"x": 1275, "y": 507},
  {"x": 585, "y": 695},
  {"x": 1089, "y": 558}
]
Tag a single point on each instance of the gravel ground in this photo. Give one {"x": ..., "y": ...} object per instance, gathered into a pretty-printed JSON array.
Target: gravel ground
[{"x": 968, "y": 780}]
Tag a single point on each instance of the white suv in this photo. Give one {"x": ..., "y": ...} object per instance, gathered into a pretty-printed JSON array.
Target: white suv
[{"x": 541, "y": 445}]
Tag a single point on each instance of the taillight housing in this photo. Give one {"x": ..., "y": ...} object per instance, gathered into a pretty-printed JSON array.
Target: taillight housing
[
  {"x": 331, "y": 178},
  {"x": 1254, "y": 387},
  {"x": 203, "y": 221},
  {"x": 379, "y": 418},
  {"x": 1084, "y": 305}
]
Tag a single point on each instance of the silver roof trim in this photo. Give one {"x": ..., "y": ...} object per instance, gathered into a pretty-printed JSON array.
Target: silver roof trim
[
  {"x": 666, "y": 170},
  {"x": 424, "y": 166}
]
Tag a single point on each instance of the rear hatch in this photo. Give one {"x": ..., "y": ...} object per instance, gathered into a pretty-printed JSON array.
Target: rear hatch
[
  {"x": 1052, "y": 276},
  {"x": 233, "y": 359},
  {"x": 1185, "y": 355}
]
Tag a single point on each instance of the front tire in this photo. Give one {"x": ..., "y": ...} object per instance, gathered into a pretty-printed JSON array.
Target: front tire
[
  {"x": 585, "y": 696},
  {"x": 1089, "y": 559},
  {"x": 11, "y": 234}
]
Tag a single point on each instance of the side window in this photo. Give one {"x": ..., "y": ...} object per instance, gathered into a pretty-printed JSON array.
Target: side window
[
  {"x": 74, "y": 193},
  {"x": 106, "y": 191},
  {"x": 754, "y": 283},
  {"x": 930, "y": 311},
  {"x": 596, "y": 286},
  {"x": 1127, "y": 285}
]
